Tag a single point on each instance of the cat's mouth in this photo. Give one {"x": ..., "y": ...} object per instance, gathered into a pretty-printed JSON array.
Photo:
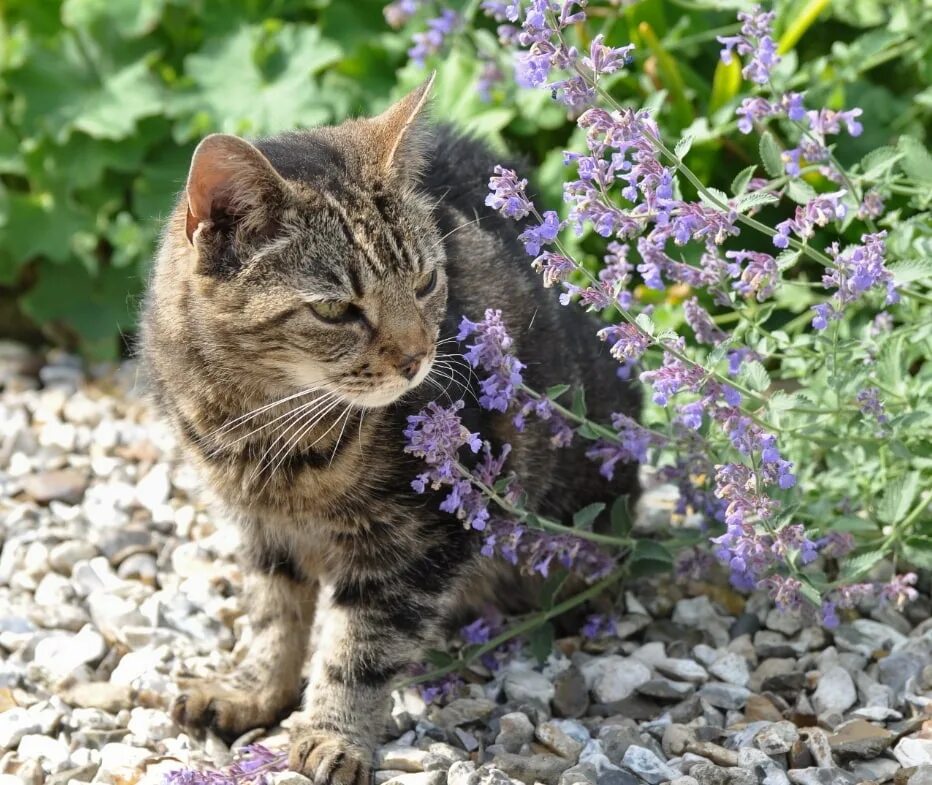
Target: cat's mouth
[{"x": 391, "y": 390}]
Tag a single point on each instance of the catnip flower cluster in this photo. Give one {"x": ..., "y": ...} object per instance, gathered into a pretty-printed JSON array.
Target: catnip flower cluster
[
  {"x": 252, "y": 767},
  {"x": 723, "y": 448}
]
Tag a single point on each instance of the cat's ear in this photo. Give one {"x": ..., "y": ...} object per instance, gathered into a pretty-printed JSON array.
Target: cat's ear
[
  {"x": 230, "y": 178},
  {"x": 401, "y": 133}
]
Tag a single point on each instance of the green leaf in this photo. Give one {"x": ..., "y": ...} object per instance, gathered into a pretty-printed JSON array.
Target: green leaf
[
  {"x": 909, "y": 270},
  {"x": 620, "y": 517},
  {"x": 755, "y": 200},
  {"x": 740, "y": 183},
  {"x": 649, "y": 558},
  {"x": 770, "y": 154},
  {"x": 878, "y": 161},
  {"x": 272, "y": 67},
  {"x": 755, "y": 376},
  {"x": 917, "y": 551},
  {"x": 810, "y": 593},
  {"x": 858, "y": 566},
  {"x": 898, "y": 497},
  {"x": 726, "y": 83},
  {"x": 578, "y": 406},
  {"x": 129, "y": 19},
  {"x": 557, "y": 390},
  {"x": 541, "y": 641},
  {"x": 584, "y": 518},
  {"x": 439, "y": 659},
  {"x": 550, "y": 588},
  {"x": 800, "y": 191},
  {"x": 683, "y": 145},
  {"x": 644, "y": 321},
  {"x": 916, "y": 162},
  {"x": 588, "y": 432}
]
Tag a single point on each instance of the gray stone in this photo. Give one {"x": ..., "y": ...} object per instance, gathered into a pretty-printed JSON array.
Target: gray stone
[
  {"x": 611, "y": 776},
  {"x": 580, "y": 774},
  {"x": 64, "y": 485},
  {"x": 859, "y": 739},
  {"x": 880, "y": 770},
  {"x": 616, "y": 739},
  {"x": 766, "y": 771},
  {"x": 867, "y": 637},
  {"x": 922, "y": 775},
  {"x": 877, "y": 714},
  {"x": 777, "y": 739},
  {"x": 551, "y": 735},
  {"x": 710, "y": 774},
  {"x": 523, "y": 686},
  {"x": 571, "y": 696},
  {"x": 821, "y": 776},
  {"x": 781, "y": 621},
  {"x": 99, "y": 695},
  {"x": 462, "y": 773},
  {"x": 835, "y": 693},
  {"x": 666, "y": 689},
  {"x": 613, "y": 678},
  {"x": 898, "y": 668},
  {"x": 287, "y": 778},
  {"x": 401, "y": 758},
  {"x": 913, "y": 752},
  {"x": 52, "y": 753},
  {"x": 725, "y": 696},
  {"x": 420, "y": 778},
  {"x": 516, "y": 730},
  {"x": 683, "y": 670},
  {"x": 14, "y": 724},
  {"x": 648, "y": 766},
  {"x": 464, "y": 711},
  {"x": 531, "y": 769},
  {"x": 732, "y": 668},
  {"x": 676, "y": 738}
]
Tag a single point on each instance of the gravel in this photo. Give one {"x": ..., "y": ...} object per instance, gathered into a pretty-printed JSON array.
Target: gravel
[{"x": 116, "y": 577}]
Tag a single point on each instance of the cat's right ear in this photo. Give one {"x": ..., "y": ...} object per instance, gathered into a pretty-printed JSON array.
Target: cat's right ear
[{"x": 231, "y": 180}]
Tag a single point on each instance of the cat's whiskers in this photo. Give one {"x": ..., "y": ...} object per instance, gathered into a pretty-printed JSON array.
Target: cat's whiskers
[
  {"x": 340, "y": 436},
  {"x": 295, "y": 441},
  {"x": 290, "y": 414},
  {"x": 455, "y": 229},
  {"x": 299, "y": 430}
]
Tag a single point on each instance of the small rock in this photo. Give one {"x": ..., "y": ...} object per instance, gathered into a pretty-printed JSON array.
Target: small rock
[
  {"x": 52, "y": 753},
  {"x": 666, "y": 690},
  {"x": 710, "y": 774},
  {"x": 877, "y": 714},
  {"x": 420, "y": 778},
  {"x": 153, "y": 490},
  {"x": 531, "y": 769},
  {"x": 151, "y": 725},
  {"x": 463, "y": 711},
  {"x": 64, "y": 485},
  {"x": 684, "y": 670},
  {"x": 725, "y": 696},
  {"x": 516, "y": 731},
  {"x": 859, "y": 739},
  {"x": 551, "y": 735},
  {"x": 821, "y": 776},
  {"x": 648, "y": 766},
  {"x": 612, "y": 776},
  {"x": 287, "y": 778},
  {"x": 867, "y": 637},
  {"x": 781, "y": 621},
  {"x": 922, "y": 775},
  {"x": 571, "y": 696},
  {"x": 676, "y": 738},
  {"x": 613, "y": 678},
  {"x": 462, "y": 773},
  {"x": 401, "y": 758},
  {"x": 766, "y": 771},
  {"x": 732, "y": 668},
  {"x": 836, "y": 692},
  {"x": 14, "y": 725},
  {"x": 99, "y": 695},
  {"x": 777, "y": 739},
  {"x": 522, "y": 686},
  {"x": 913, "y": 752},
  {"x": 617, "y": 739},
  {"x": 581, "y": 774},
  {"x": 879, "y": 770},
  {"x": 760, "y": 708}
]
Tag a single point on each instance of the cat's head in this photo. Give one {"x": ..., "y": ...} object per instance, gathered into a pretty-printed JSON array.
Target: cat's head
[{"x": 316, "y": 260}]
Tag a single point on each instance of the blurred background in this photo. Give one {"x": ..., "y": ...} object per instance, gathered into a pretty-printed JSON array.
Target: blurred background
[{"x": 102, "y": 102}]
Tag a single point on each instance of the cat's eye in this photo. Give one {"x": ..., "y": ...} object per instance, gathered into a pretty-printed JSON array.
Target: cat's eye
[
  {"x": 426, "y": 283},
  {"x": 332, "y": 310}
]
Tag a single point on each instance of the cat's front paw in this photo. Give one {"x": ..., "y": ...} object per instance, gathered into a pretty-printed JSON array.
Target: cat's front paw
[
  {"x": 227, "y": 706},
  {"x": 328, "y": 758}
]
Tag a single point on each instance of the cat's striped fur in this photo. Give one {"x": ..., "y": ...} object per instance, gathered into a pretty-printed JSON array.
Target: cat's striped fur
[{"x": 360, "y": 212}]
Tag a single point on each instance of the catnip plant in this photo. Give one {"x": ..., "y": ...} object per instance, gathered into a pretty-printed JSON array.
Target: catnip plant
[{"x": 788, "y": 378}]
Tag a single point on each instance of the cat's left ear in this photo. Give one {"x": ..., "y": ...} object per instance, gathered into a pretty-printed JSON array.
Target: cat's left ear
[{"x": 401, "y": 133}]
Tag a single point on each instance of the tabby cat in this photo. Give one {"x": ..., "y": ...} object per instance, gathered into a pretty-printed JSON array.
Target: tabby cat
[{"x": 305, "y": 287}]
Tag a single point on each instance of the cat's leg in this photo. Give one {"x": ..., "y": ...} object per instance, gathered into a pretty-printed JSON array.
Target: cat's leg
[
  {"x": 375, "y": 625},
  {"x": 268, "y": 681}
]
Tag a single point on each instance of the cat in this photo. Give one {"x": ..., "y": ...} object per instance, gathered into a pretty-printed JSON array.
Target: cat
[{"x": 305, "y": 290}]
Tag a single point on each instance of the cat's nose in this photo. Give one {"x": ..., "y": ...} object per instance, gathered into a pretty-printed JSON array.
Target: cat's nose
[{"x": 409, "y": 364}]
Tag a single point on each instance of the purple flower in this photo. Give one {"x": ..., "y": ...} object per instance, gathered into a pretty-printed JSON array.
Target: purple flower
[
  {"x": 672, "y": 377},
  {"x": 508, "y": 195},
  {"x": 598, "y": 625},
  {"x": 835, "y": 544},
  {"x": 555, "y": 268},
  {"x": 628, "y": 341},
  {"x": 400, "y": 11},
  {"x": 870, "y": 404},
  {"x": 785, "y": 592},
  {"x": 430, "y": 41},
  {"x": 490, "y": 76},
  {"x": 604, "y": 59},
  {"x": 436, "y": 435},
  {"x": 701, "y": 323},
  {"x": 491, "y": 351},
  {"x": 818, "y": 212},
  {"x": 753, "y": 110},
  {"x": 857, "y": 269},
  {"x": 872, "y": 206},
  {"x": 630, "y": 446},
  {"x": 253, "y": 764},
  {"x": 544, "y": 234},
  {"x": 502, "y": 11},
  {"x": 755, "y": 40},
  {"x": 759, "y": 276},
  {"x": 476, "y": 633},
  {"x": 899, "y": 590}
]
